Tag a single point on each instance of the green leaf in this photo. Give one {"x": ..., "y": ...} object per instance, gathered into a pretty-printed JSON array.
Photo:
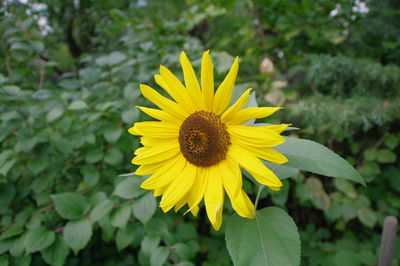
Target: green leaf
[
  {"x": 70, "y": 205},
  {"x": 125, "y": 236},
  {"x": 54, "y": 114},
  {"x": 37, "y": 166},
  {"x": 90, "y": 175},
  {"x": 183, "y": 251},
  {"x": 271, "y": 238},
  {"x": 113, "y": 156},
  {"x": 392, "y": 142},
  {"x": 40, "y": 184},
  {"x": 94, "y": 155},
  {"x": 100, "y": 210},
  {"x": 129, "y": 188},
  {"x": 311, "y": 156},
  {"x": 282, "y": 171},
  {"x": 78, "y": 105},
  {"x": 112, "y": 133},
  {"x": 346, "y": 187},
  {"x": 69, "y": 84},
  {"x": 57, "y": 253},
  {"x": 120, "y": 216},
  {"x": 17, "y": 248},
  {"x": 159, "y": 256},
  {"x": 116, "y": 58},
  {"x": 77, "y": 234},
  {"x": 7, "y": 193},
  {"x": 144, "y": 208},
  {"x": 367, "y": 217},
  {"x": 386, "y": 156},
  {"x": 11, "y": 232},
  {"x": 130, "y": 116},
  {"x": 149, "y": 244},
  {"x": 38, "y": 239},
  {"x": 90, "y": 75}
]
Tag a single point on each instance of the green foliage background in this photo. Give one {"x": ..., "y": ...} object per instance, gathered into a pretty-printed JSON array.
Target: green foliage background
[{"x": 67, "y": 91}]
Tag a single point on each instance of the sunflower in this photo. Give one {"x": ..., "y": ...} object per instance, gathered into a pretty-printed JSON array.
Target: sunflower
[{"x": 198, "y": 146}]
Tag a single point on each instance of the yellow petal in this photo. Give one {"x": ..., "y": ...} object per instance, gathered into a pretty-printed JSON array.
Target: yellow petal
[
  {"x": 232, "y": 180},
  {"x": 243, "y": 205},
  {"x": 191, "y": 82},
  {"x": 247, "y": 114},
  {"x": 157, "y": 114},
  {"x": 180, "y": 203},
  {"x": 148, "y": 169},
  {"x": 150, "y": 155},
  {"x": 196, "y": 193},
  {"x": 175, "y": 88},
  {"x": 232, "y": 111},
  {"x": 159, "y": 191},
  {"x": 163, "y": 103},
  {"x": 155, "y": 129},
  {"x": 165, "y": 174},
  {"x": 278, "y": 128},
  {"x": 255, "y": 136},
  {"x": 214, "y": 198},
  {"x": 179, "y": 187},
  {"x": 224, "y": 91},
  {"x": 231, "y": 176},
  {"x": 207, "y": 81},
  {"x": 254, "y": 166},
  {"x": 265, "y": 153}
]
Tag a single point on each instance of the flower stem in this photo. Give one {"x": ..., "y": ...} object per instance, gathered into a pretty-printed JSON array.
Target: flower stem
[{"x": 258, "y": 196}]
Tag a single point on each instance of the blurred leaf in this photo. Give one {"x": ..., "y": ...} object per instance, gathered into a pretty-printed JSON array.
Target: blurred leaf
[
  {"x": 386, "y": 156},
  {"x": 101, "y": 209},
  {"x": 7, "y": 193},
  {"x": 90, "y": 175},
  {"x": 71, "y": 84},
  {"x": 130, "y": 116},
  {"x": 94, "y": 155},
  {"x": 144, "y": 208},
  {"x": 120, "y": 216},
  {"x": 183, "y": 251},
  {"x": 11, "y": 232},
  {"x": 37, "y": 166},
  {"x": 159, "y": 256},
  {"x": 77, "y": 234},
  {"x": 125, "y": 236},
  {"x": 149, "y": 244},
  {"x": 112, "y": 133},
  {"x": 391, "y": 142},
  {"x": 38, "y": 239},
  {"x": 346, "y": 187},
  {"x": 113, "y": 156},
  {"x": 78, "y": 105},
  {"x": 316, "y": 158},
  {"x": 57, "y": 253},
  {"x": 367, "y": 217},
  {"x": 90, "y": 75},
  {"x": 271, "y": 238},
  {"x": 129, "y": 188},
  {"x": 54, "y": 114},
  {"x": 70, "y": 205}
]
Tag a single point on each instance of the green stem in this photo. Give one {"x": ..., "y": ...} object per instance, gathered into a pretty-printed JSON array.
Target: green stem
[{"x": 258, "y": 196}]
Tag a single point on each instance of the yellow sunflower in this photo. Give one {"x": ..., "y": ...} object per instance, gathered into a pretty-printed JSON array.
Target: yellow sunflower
[{"x": 196, "y": 148}]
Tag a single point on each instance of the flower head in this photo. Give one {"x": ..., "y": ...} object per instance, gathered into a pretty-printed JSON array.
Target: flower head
[{"x": 196, "y": 148}]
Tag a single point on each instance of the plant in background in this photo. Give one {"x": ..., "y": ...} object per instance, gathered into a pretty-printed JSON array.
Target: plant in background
[{"x": 198, "y": 146}]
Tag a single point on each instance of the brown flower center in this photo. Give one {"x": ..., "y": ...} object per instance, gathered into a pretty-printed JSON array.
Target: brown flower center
[{"x": 203, "y": 139}]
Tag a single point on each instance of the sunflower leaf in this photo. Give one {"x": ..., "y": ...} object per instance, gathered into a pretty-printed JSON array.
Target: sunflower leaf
[
  {"x": 271, "y": 238},
  {"x": 313, "y": 157}
]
